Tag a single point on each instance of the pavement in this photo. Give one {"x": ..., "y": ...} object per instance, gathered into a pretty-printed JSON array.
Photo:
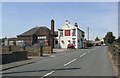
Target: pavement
[
  {"x": 78, "y": 62},
  {"x": 60, "y": 50},
  {"x": 31, "y": 59}
]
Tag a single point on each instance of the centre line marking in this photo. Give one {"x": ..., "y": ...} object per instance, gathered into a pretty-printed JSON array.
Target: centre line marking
[
  {"x": 82, "y": 54},
  {"x": 48, "y": 73},
  {"x": 69, "y": 62}
]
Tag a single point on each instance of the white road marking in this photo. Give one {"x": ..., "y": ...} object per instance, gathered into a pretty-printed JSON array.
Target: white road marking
[
  {"x": 69, "y": 62},
  {"x": 48, "y": 74},
  {"x": 82, "y": 54}
]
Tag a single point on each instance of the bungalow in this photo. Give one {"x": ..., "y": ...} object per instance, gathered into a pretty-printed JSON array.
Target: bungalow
[{"x": 41, "y": 34}]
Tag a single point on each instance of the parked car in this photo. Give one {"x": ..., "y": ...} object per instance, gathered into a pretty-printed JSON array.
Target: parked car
[{"x": 70, "y": 46}]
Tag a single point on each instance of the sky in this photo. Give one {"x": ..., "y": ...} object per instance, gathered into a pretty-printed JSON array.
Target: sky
[
  {"x": 60, "y": 0},
  {"x": 100, "y": 17}
]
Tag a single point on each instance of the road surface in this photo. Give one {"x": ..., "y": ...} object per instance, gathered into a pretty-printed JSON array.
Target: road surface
[{"x": 78, "y": 62}]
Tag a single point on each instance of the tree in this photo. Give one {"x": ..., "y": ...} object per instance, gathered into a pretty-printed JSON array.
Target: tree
[
  {"x": 97, "y": 39},
  {"x": 118, "y": 40},
  {"x": 109, "y": 38},
  {"x": 3, "y": 41}
]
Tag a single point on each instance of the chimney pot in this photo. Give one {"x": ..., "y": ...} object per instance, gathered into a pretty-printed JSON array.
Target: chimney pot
[
  {"x": 76, "y": 25},
  {"x": 52, "y": 20},
  {"x": 67, "y": 22}
]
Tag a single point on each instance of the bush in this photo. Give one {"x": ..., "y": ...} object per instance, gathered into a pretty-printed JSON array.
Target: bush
[{"x": 89, "y": 44}]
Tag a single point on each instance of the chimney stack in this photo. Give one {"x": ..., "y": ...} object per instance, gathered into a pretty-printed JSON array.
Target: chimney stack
[
  {"x": 52, "y": 30},
  {"x": 76, "y": 25},
  {"x": 67, "y": 22}
]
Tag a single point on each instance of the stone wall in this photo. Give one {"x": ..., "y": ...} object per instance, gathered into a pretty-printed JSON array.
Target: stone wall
[
  {"x": 36, "y": 51},
  {"x": 32, "y": 51},
  {"x": 13, "y": 56},
  {"x": 8, "y": 49}
]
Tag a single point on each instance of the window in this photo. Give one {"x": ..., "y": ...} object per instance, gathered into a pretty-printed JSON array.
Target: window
[
  {"x": 73, "y": 38},
  {"x": 74, "y": 32},
  {"x": 67, "y": 32},
  {"x": 83, "y": 35},
  {"x": 81, "y": 39},
  {"x": 62, "y": 42},
  {"x": 56, "y": 42},
  {"x": 74, "y": 42},
  {"x": 61, "y": 32}
]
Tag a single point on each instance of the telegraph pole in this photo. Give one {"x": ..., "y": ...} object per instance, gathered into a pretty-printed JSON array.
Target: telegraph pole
[
  {"x": 88, "y": 34},
  {"x": 88, "y": 38}
]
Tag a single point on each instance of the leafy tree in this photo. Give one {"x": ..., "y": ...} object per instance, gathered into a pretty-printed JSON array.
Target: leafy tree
[
  {"x": 109, "y": 38},
  {"x": 3, "y": 41},
  {"x": 118, "y": 40},
  {"x": 97, "y": 39}
]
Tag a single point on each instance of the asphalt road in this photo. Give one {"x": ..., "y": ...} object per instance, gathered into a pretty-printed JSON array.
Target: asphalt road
[{"x": 78, "y": 62}]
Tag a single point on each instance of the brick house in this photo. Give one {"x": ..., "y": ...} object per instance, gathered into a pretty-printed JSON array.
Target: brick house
[
  {"x": 36, "y": 35},
  {"x": 42, "y": 33}
]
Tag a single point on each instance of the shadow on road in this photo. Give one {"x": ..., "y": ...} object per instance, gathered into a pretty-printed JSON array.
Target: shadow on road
[
  {"x": 42, "y": 70},
  {"x": 16, "y": 66}
]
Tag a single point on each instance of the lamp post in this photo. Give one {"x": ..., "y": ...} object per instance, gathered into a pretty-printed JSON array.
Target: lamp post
[{"x": 88, "y": 34}]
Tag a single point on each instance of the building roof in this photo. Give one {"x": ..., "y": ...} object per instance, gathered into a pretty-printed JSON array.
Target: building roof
[
  {"x": 67, "y": 25},
  {"x": 81, "y": 30},
  {"x": 15, "y": 39},
  {"x": 33, "y": 31}
]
